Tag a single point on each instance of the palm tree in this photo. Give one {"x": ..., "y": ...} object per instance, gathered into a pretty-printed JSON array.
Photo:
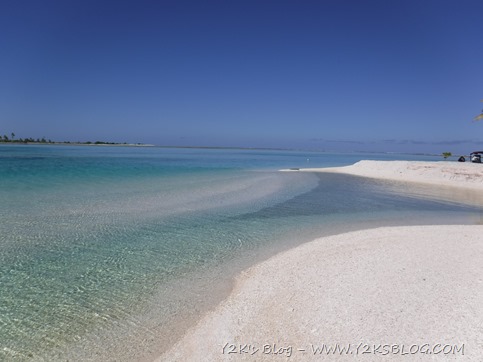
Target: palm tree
[
  {"x": 480, "y": 116},
  {"x": 13, "y": 136}
]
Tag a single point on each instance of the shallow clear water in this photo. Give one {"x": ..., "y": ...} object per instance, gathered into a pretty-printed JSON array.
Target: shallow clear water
[{"x": 104, "y": 249}]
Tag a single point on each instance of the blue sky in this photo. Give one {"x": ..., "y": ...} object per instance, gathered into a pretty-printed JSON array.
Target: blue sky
[{"x": 327, "y": 75}]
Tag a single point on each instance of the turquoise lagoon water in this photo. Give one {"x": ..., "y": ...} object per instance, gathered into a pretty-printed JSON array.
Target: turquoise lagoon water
[{"x": 109, "y": 253}]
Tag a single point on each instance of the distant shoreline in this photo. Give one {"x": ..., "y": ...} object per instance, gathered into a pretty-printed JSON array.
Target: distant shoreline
[
  {"x": 78, "y": 144},
  {"x": 213, "y": 148},
  {"x": 52, "y": 143}
]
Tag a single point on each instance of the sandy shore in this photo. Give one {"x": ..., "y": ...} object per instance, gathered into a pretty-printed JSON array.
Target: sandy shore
[
  {"x": 446, "y": 173},
  {"x": 394, "y": 293}
]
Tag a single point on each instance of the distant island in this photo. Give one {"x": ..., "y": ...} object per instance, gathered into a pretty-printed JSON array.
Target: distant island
[{"x": 43, "y": 140}]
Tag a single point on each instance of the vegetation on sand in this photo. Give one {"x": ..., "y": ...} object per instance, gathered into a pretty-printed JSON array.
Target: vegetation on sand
[{"x": 43, "y": 140}]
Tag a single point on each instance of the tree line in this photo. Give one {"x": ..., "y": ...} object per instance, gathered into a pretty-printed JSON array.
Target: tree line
[
  {"x": 12, "y": 139},
  {"x": 6, "y": 139}
]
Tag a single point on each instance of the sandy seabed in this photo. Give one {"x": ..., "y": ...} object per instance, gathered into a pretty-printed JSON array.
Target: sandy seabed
[{"x": 408, "y": 293}]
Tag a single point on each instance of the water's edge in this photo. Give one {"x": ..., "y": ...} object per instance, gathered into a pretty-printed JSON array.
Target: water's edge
[{"x": 209, "y": 295}]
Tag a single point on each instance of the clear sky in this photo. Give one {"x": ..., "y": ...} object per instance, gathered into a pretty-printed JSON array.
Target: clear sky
[{"x": 402, "y": 75}]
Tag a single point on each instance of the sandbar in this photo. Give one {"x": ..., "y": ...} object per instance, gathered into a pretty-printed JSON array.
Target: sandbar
[
  {"x": 465, "y": 175},
  {"x": 400, "y": 293}
]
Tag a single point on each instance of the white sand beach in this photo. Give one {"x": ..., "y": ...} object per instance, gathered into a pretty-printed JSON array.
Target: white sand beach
[
  {"x": 446, "y": 173},
  {"x": 406, "y": 293}
]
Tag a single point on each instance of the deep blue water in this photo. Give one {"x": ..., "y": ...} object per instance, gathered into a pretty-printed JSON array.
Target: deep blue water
[{"x": 104, "y": 246}]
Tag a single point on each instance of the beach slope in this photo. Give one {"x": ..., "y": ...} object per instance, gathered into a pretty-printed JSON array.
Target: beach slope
[
  {"x": 445, "y": 173},
  {"x": 399, "y": 293},
  {"x": 415, "y": 287}
]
